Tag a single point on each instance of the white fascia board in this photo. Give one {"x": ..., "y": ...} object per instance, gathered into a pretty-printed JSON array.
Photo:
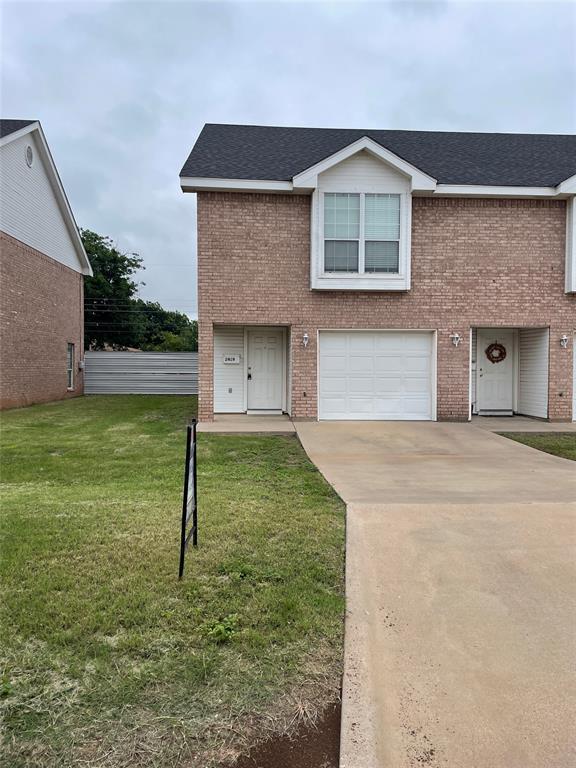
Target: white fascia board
[
  {"x": 421, "y": 182},
  {"x": 64, "y": 204},
  {"x": 479, "y": 190},
  {"x": 571, "y": 246},
  {"x": 201, "y": 184},
  {"x": 56, "y": 183},
  {"x": 568, "y": 186}
]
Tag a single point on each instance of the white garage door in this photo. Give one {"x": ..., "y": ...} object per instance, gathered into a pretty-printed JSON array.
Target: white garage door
[{"x": 376, "y": 375}]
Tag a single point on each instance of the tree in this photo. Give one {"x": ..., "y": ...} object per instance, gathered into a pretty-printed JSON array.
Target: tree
[
  {"x": 114, "y": 317},
  {"x": 108, "y": 295}
]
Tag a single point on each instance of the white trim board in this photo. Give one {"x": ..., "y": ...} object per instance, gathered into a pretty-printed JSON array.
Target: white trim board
[{"x": 206, "y": 184}]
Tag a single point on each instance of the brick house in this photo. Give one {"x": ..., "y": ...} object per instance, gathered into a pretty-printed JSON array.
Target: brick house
[
  {"x": 42, "y": 264},
  {"x": 349, "y": 274}
]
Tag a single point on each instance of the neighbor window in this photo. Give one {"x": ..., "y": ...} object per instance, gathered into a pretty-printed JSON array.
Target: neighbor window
[
  {"x": 361, "y": 232},
  {"x": 70, "y": 366}
]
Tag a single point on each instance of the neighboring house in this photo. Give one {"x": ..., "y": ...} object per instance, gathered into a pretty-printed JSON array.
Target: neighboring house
[
  {"x": 42, "y": 264},
  {"x": 350, "y": 274}
]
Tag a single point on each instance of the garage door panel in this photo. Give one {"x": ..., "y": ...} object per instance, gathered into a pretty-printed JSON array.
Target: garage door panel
[
  {"x": 361, "y": 386},
  {"x": 360, "y": 364},
  {"x": 334, "y": 385},
  {"x": 360, "y": 405},
  {"x": 360, "y": 343},
  {"x": 387, "y": 407},
  {"x": 376, "y": 375},
  {"x": 417, "y": 386},
  {"x": 417, "y": 365},
  {"x": 386, "y": 384},
  {"x": 336, "y": 364},
  {"x": 417, "y": 406},
  {"x": 388, "y": 363}
]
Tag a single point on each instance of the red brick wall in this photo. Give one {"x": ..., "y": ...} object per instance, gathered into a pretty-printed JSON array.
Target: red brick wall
[
  {"x": 474, "y": 263},
  {"x": 41, "y": 310}
]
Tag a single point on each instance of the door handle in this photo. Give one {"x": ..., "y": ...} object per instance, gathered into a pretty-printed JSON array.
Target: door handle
[{"x": 249, "y": 377}]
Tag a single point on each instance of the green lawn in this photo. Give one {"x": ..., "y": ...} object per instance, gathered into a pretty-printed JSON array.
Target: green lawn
[
  {"x": 557, "y": 443},
  {"x": 107, "y": 660}
]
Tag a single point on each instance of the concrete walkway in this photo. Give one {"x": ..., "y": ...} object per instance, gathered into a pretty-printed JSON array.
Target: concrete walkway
[
  {"x": 521, "y": 424},
  {"x": 243, "y": 424},
  {"x": 461, "y": 586}
]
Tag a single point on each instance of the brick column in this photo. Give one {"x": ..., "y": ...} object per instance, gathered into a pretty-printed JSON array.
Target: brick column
[
  {"x": 205, "y": 371},
  {"x": 561, "y": 376},
  {"x": 453, "y": 376},
  {"x": 304, "y": 374}
]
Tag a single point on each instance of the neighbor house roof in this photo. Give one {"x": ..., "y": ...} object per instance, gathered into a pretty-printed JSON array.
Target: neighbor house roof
[
  {"x": 489, "y": 159},
  {"x": 11, "y": 126}
]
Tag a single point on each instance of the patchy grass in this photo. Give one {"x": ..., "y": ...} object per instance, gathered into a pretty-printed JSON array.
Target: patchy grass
[
  {"x": 107, "y": 659},
  {"x": 557, "y": 443}
]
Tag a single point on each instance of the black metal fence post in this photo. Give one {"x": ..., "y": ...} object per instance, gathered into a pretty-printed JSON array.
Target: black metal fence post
[{"x": 189, "y": 500}]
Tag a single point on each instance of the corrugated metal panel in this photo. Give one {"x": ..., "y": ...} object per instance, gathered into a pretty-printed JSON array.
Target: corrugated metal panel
[
  {"x": 229, "y": 377},
  {"x": 533, "y": 372},
  {"x": 141, "y": 373}
]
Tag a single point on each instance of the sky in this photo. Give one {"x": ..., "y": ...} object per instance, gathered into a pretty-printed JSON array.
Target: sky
[{"x": 123, "y": 89}]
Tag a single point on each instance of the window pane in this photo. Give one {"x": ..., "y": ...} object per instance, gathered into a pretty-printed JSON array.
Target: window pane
[
  {"x": 381, "y": 256},
  {"x": 382, "y": 217},
  {"x": 341, "y": 256},
  {"x": 341, "y": 215}
]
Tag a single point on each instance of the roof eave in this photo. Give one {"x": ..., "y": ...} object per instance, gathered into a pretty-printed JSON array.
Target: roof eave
[
  {"x": 208, "y": 184},
  {"x": 568, "y": 186}
]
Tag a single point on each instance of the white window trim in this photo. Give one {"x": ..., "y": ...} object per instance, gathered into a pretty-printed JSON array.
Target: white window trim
[
  {"x": 571, "y": 246},
  {"x": 70, "y": 372},
  {"x": 360, "y": 281}
]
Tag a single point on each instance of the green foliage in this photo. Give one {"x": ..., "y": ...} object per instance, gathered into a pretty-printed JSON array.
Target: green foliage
[
  {"x": 222, "y": 630},
  {"x": 115, "y": 318}
]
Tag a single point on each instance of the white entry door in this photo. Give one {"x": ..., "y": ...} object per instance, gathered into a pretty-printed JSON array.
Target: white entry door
[
  {"x": 376, "y": 375},
  {"x": 265, "y": 369},
  {"x": 495, "y": 371}
]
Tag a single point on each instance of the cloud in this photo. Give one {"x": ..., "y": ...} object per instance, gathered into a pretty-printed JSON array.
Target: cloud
[{"x": 124, "y": 88}]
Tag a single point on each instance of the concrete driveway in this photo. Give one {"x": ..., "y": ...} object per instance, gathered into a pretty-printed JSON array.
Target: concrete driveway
[{"x": 461, "y": 586}]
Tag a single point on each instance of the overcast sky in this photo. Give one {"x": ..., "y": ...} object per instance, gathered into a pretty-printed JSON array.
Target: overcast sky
[{"x": 123, "y": 88}]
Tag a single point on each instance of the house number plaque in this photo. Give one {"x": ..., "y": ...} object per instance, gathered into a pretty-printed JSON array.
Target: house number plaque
[{"x": 231, "y": 359}]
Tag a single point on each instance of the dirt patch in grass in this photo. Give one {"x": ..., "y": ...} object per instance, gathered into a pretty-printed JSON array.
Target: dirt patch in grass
[{"x": 311, "y": 745}]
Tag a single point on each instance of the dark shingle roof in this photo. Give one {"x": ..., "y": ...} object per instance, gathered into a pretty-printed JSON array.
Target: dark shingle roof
[
  {"x": 274, "y": 153},
  {"x": 11, "y": 126}
]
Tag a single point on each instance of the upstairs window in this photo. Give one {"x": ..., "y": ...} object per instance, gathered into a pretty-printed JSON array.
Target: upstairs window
[{"x": 361, "y": 233}]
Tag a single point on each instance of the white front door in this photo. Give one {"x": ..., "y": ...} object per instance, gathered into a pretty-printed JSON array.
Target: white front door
[
  {"x": 495, "y": 371},
  {"x": 265, "y": 369}
]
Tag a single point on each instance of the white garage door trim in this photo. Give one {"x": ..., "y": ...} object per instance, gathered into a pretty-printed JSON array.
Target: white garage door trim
[{"x": 429, "y": 415}]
